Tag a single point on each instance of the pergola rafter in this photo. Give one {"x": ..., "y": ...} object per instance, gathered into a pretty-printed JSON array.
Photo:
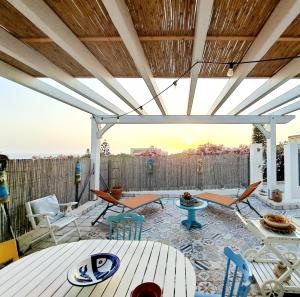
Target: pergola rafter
[
  {"x": 283, "y": 75},
  {"x": 288, "y": 109},
  {"x": 284, "y": 13},
  {"x": 121, "y": 18},
  {"x": 204, "y": 11},
  {"x": 46, "y": 20},
  {"x": 22, "y": 78},
  {"x": 17, "y": 49},
  {"x": 278, "y": 101}
]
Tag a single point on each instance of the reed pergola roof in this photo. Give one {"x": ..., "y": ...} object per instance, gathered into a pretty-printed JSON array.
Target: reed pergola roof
[{"x": 166, "y": 31}]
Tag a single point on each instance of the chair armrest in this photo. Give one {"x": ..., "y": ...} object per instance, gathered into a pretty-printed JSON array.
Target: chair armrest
[
  {"x": 68, "y": 205},
  {"x": 46, "y": 214}
]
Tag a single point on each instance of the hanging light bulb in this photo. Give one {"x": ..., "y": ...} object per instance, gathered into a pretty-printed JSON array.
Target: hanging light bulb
[
  {"x": 141, "y": 107},
  {"x": 175, "y": 83},
  {"x": 118, "y": 119},
  {"x": 230, "y": 70}
]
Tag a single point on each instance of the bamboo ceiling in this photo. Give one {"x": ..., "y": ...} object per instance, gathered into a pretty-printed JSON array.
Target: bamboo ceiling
[{"x": 165, "y": 29}]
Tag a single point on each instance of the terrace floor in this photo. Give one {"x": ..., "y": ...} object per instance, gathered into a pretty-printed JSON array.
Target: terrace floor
[{"x": 204, "y": 247}]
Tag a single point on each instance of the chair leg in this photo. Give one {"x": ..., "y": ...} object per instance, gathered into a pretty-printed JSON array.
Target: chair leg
[
  {"x": 53, "y": 236},
  {"x": 101, "y": 214},
  {"x": 160, "y": 202},
  {"x": 77, "y": 228},
  {"x": 254, "y": 209}
]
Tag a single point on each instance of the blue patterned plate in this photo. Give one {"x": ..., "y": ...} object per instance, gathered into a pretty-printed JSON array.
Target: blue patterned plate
[{"x": 93, "y": 270}]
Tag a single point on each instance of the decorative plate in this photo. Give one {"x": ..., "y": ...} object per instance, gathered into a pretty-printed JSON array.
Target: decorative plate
[
  {"x": 290, "y": 229},
  {"x": 276, "y": 221},
  {"x": 94, "y": 269}
]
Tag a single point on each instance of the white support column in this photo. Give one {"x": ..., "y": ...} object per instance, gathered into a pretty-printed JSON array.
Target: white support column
[
  {"x": 256, "y": 162},
  {"x": 95, "y": 154},
  {"x": 271, "y": 159}
]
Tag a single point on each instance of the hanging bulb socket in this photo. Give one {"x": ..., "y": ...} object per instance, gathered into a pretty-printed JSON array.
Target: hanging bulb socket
[
  {"x": 175, "y": 83},
  {"x": 230, "y": 70},
  {"x": 118, "y": 119},
  {"x": 141, "y": 107}
]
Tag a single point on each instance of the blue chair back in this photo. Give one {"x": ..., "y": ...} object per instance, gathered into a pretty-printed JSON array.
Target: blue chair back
[
  {"x": 125, "y": 226},
  {"x": 238, "y": 287}
]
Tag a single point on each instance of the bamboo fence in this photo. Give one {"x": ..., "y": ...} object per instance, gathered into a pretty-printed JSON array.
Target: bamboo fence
[
  {"x": 32, "y": 179},
  {"x": 176, "y": 172}
]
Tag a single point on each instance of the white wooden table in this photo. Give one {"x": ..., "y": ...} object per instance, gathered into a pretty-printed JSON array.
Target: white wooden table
[
  {"x": 44, "y": 273},
  {"x": 263, "y": 261}
]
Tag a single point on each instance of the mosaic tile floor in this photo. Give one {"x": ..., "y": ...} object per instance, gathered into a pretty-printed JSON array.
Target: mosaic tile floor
[{"x": 204, "y": 247}]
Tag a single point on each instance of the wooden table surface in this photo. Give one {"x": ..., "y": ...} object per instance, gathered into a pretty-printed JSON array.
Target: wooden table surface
[{"x": 44, "y": 273}]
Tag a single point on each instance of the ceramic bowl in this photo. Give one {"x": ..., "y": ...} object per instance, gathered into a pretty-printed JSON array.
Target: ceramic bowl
[
  {"x": 148, "y": 289},
  {"x": 276, "y": 221},
  {"x": 94, "y": 269}
]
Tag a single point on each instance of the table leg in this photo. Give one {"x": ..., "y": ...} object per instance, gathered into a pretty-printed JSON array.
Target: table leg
[{"x": 191, "y": 220}]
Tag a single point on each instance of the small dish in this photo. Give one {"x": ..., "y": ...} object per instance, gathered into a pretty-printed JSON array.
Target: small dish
[
  {"x": 147, "y": 289},
  {"x": 94, "y": 269},
  {"x": 276, "y": 221}
]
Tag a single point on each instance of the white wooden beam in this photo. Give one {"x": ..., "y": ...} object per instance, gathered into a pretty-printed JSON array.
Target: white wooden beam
[
  {"x": 27, "y": 55},
  {"x": 95, "y": 154},
  {"x": 280, "y": 100},
  {"x": 287, "y": 109},
  {"x": 40, "y": 14},
  {"x": 283, "y": 75},
  {"x": 119, "y": 14},
  {"x": 204, "y": 11},
  {"x": 9, "y": 72},
  {"x": 194, "y": 119},
  {"x": 284, "y": 13},
  {"x": 271, "y": 159}
]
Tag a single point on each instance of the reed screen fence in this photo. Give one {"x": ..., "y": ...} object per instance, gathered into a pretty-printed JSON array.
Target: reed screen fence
[
  {"x": 176, "y": 172},
  {"x": 32, "y": 179}
]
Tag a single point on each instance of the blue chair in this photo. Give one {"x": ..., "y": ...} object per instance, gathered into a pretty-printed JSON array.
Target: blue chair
[
  {"x": 241, "y": 268},
  {"x": 125, "y": 226}
]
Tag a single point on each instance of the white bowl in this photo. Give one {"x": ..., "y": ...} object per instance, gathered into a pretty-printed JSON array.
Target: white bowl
[{"x": 94, "y": 269}]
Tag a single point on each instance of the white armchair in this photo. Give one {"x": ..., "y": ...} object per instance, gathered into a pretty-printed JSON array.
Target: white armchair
[{"x": 46, "y": 213}]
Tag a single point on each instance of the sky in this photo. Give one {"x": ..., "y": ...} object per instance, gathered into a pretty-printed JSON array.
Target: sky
[{"x": 33, "y": 124}]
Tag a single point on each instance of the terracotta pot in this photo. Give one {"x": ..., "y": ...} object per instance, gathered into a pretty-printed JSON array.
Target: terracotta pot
[
  {"x": 277, "y": 196},
  {"x": 117, "y": 192},
  {"x": 147, "y": 290}
]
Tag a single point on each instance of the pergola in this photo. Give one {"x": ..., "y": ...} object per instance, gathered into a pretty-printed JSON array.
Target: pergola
[{"x": 63, "y": 40}]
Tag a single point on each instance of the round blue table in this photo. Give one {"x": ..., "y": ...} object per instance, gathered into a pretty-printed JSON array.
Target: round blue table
[{"x": 191, "y": 219}]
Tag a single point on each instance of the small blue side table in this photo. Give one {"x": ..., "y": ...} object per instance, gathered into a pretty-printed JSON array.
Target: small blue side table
[{"x": 191, "y": 219}]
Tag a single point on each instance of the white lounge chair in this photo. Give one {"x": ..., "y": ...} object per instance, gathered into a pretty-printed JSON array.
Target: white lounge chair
[{"x": 45, "y": 213}]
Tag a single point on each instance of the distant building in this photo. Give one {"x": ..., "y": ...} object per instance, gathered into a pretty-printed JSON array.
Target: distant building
[{"x": 148, "y": 150}]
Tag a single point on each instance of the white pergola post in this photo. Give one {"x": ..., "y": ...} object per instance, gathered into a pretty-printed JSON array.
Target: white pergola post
[
  {"x": 95, "y": 154},
  {"x": 271, "y": 159},
  {"x": 256, "y": 162}
]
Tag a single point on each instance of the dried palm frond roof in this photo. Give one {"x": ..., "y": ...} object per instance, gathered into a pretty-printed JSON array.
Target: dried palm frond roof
[{"x": 166, "y": 31}]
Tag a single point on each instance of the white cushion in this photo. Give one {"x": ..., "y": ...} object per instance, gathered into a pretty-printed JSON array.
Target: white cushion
[{"x": 47, "y": 205}]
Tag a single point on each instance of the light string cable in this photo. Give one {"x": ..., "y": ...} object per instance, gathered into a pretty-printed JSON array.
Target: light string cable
[{"x": 174, "y": 83}]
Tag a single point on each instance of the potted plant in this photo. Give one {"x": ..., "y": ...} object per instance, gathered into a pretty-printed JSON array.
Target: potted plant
[
  {"x": 276, "y": 195},
  {"x": 116, "y": 191},
  {"x": 186, "y": 199}
]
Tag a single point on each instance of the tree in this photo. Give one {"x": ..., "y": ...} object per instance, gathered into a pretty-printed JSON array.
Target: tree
[{"x": 258, "y": 136}]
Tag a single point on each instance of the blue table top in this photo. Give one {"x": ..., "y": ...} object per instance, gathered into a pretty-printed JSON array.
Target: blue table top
[{"x": 203, "y": 205}]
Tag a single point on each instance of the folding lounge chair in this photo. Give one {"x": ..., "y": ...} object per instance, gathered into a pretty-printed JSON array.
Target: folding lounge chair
[
  {"x": 230, "y": 201},
  {"x": 131, "y": 203}
]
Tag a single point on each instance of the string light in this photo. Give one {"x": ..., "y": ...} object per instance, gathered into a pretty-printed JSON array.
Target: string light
[
  {"x": 230, "y": 73},
  {"x": 230, "y": 70}
]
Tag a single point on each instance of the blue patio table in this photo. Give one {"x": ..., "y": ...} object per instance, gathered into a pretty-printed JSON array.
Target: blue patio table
[{"x": 191, "y": 219}]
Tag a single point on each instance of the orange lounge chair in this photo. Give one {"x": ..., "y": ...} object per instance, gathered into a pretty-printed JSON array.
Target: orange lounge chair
[
  {"x": 230, "y": 201},
  {"x": 131, "y": 203}
]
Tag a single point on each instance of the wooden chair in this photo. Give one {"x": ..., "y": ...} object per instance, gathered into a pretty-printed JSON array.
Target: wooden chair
[
  {"x": 45, "y": 213},
  {"x": 230, "y": 202},
  {"x": 130, "y": 203},
  {"x": 239, "y": 284},
  {"x": 125, "y": 226},
  {"x": 8, "y": 252}
]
